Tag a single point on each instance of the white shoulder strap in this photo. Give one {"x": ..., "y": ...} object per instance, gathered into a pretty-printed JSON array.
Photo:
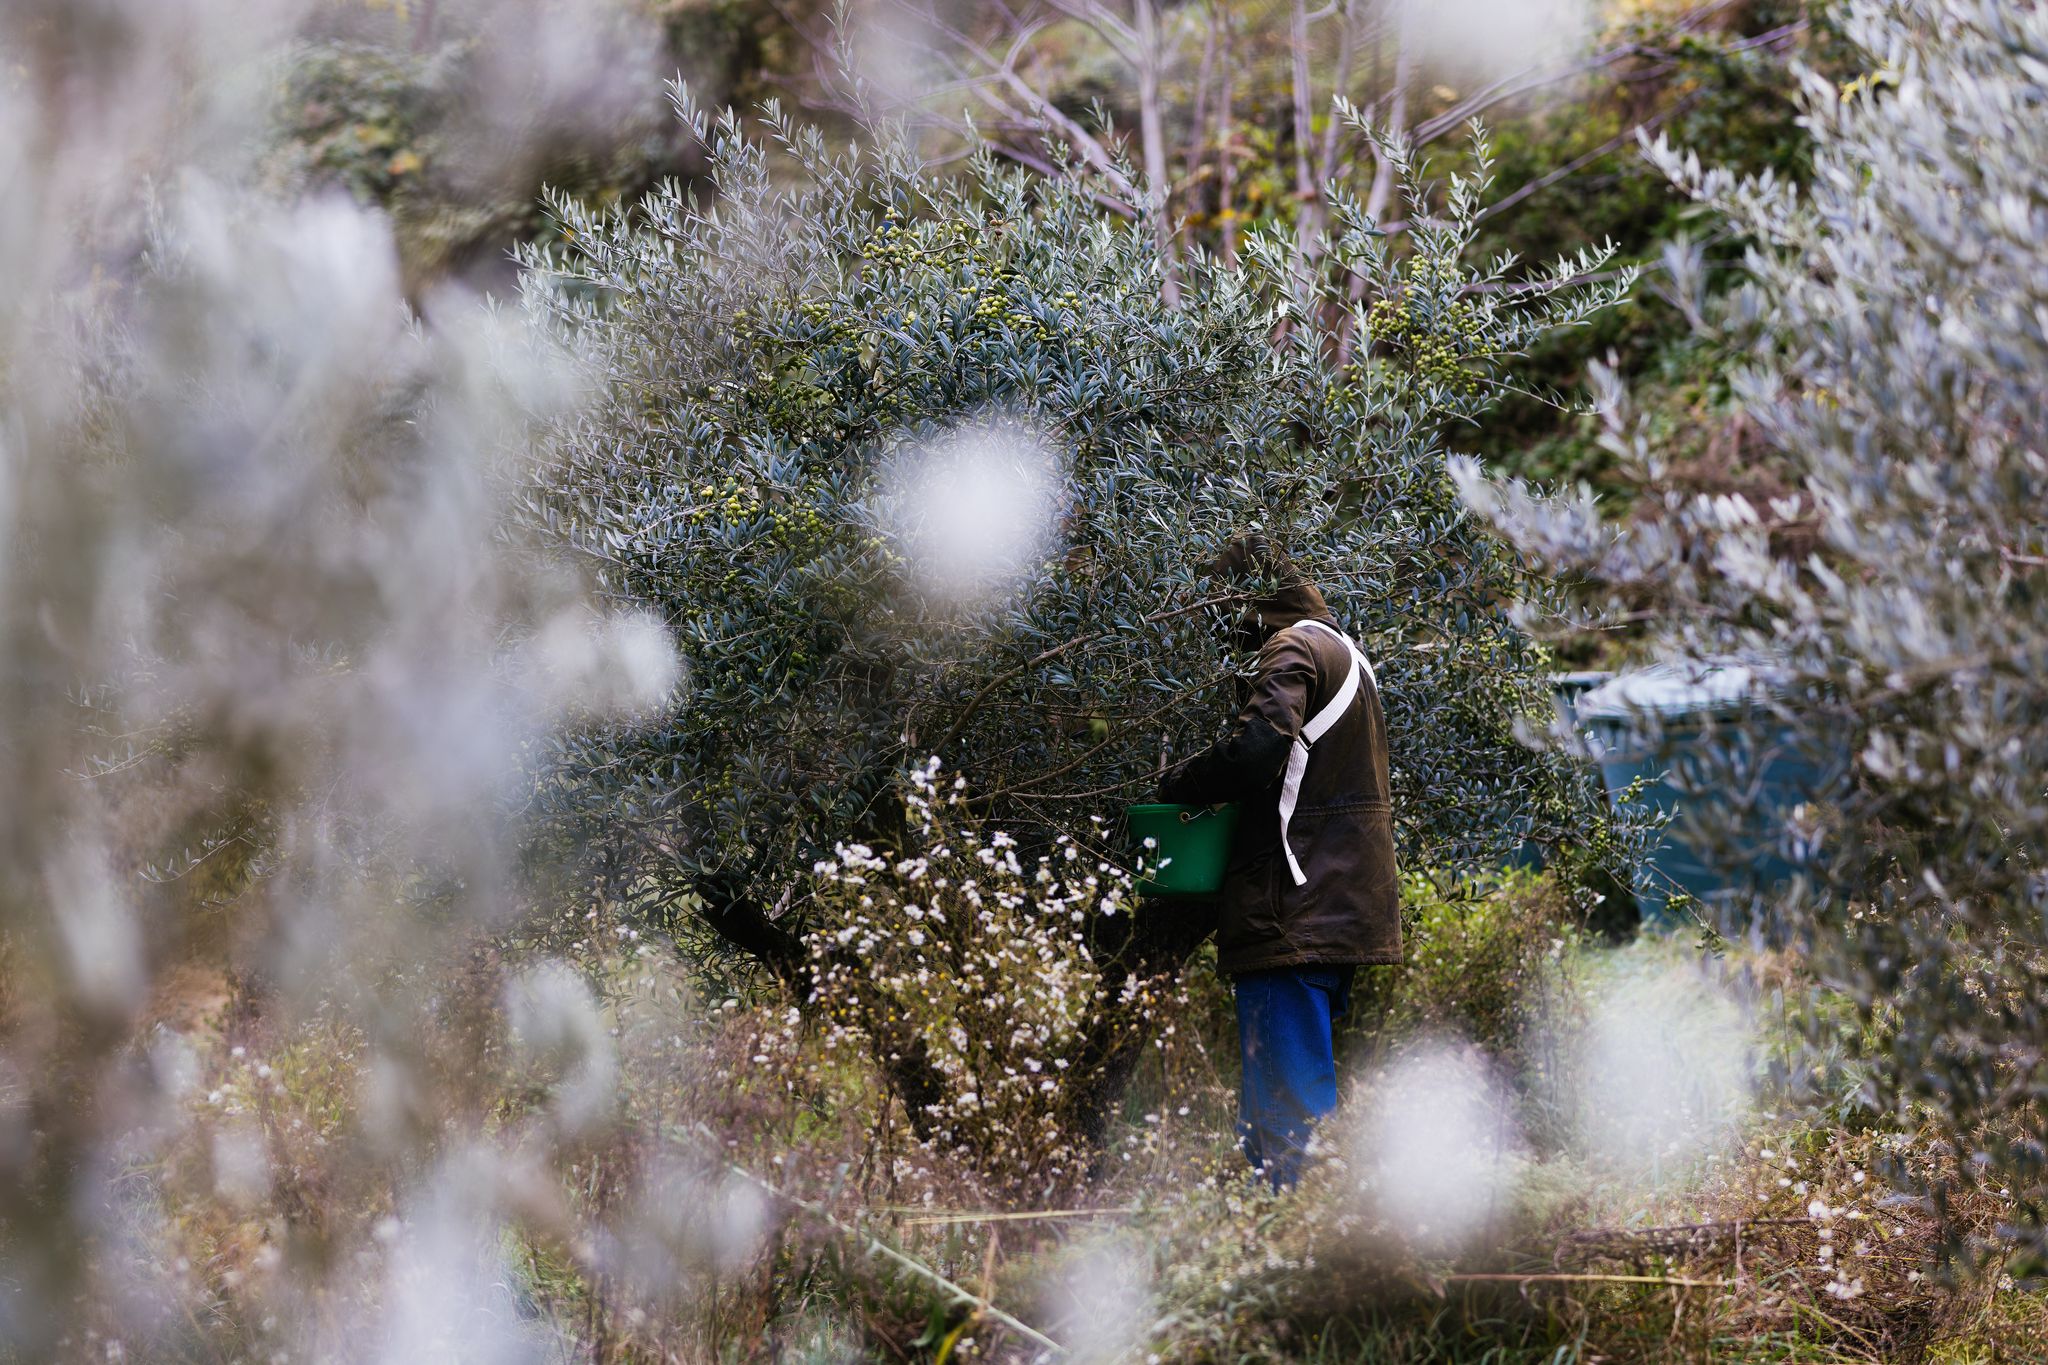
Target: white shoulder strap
[
  {"x": 1356, "y": 653},
  {"x": 1314, "y": 729}
]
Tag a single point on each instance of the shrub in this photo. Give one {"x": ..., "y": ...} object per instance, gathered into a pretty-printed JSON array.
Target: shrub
[
  {"x": 357, "y": 116},
  {"x": 779, "y": 370},
  {"x": 1476, "y": 957},
  {"x": 1491, "y": 964},
  {"x": 1894, "y": 598},
  {"x": 452, "y": 117},
  {"x": 272, "y": 653},
  {"x": 957, "y": 955}
]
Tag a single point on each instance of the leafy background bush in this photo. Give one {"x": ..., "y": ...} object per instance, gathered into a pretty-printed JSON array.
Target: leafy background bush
[
  {"x": 761, "y": 379},
  {"x": 372, "y": 865}
]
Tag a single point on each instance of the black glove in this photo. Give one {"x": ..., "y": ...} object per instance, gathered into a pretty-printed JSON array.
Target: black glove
[{"x": 1233, "y": 769}]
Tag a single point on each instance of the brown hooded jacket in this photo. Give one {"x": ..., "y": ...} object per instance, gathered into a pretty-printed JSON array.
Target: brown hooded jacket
[{"x": 1349, "y": 909}]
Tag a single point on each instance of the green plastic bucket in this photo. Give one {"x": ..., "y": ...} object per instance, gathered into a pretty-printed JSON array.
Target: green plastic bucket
[{"x": 1191, "y": 850}]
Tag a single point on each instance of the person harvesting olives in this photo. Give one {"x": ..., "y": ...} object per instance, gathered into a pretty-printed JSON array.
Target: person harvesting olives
[{"x": 1309, "y": 893}]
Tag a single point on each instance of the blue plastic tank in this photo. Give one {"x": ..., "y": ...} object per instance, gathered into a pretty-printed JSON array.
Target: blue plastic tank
[{"x": 1655, "y": 722}]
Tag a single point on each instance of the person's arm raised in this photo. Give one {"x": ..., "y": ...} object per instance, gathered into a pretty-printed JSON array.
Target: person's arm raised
[{"x": 1250, "y": 758}]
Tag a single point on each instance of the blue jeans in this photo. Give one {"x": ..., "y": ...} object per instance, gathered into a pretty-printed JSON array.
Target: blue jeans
[{"x": 1284, "y": 1023}]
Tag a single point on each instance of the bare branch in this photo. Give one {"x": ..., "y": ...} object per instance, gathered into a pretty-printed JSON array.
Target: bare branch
[
  {"x": 1104, "y": 23},
  {"x": 1579, "y": 163},
  {"x": 1037, "y": 111},
  {"x": 1152, "y": 137}
]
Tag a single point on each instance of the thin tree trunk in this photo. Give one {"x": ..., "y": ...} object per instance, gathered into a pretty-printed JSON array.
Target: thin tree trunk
[
  {"x": 1198, "y": 125},
  {"x": 1226, "y": 151},
  {"x": 423, "y": 25},
  {"x": 1383, "y": 187},
  {"x": 1326, "y": 166},
  {"x": 1382, "y": 191},
  {"x": 1307, "y": 194},
  {"x": 1340, "y": 84},
  {"x": 1152, "y": 134}
]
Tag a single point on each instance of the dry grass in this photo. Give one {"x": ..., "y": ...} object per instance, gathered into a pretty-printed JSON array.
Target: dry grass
[{"x": 756, "y": 1196}]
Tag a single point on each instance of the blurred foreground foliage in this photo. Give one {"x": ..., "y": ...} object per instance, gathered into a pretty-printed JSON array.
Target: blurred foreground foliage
[
  {"x": 745, "y": 1188},
  {"x": 1890, "y": 596},
  {"x": 287, "y": 1067}
]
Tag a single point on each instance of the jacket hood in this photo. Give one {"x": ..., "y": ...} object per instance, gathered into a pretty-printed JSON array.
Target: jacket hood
[{"x": 1283, "y": 594}]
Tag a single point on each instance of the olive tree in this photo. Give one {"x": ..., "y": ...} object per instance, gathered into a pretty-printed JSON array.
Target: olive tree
[
  {"x": 1898, "y": 365},
  {"x": 802, "y": 384}
]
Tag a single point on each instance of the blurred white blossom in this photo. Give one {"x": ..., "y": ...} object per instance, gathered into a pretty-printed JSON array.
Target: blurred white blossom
[
  {"x": 1438, "y": 1145},
  {"x": 974, "y": 508}
]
